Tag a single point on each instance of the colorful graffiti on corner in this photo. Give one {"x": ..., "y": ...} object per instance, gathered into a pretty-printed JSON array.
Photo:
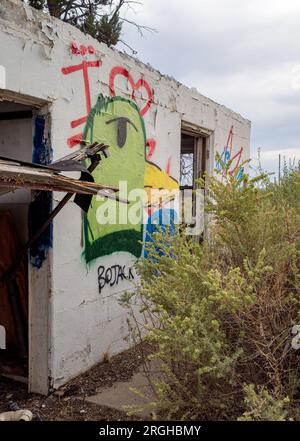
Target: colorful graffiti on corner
[
  {"x": 228, "y": 155},
  {"x": 119, "y": 122}
]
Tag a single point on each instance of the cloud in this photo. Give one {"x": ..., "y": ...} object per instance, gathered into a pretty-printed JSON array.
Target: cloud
[{"x": 244, "y": 55}]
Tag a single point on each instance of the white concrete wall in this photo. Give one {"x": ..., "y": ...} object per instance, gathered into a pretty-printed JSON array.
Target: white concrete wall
[
  {"x": 84, "y": 324},
  {"x": 16, "y": 142}
]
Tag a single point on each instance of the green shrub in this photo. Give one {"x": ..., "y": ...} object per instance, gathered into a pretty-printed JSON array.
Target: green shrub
[
  {"x": 220, "y": 312},
  {"x": 261, "y": 406}
]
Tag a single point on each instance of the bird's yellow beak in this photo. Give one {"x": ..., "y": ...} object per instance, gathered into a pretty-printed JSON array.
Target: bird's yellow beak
[{"x": 159, "y": 186}]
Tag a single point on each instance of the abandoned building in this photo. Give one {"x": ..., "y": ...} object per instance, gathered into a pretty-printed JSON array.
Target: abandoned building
[{"x": 58, "y": 89}]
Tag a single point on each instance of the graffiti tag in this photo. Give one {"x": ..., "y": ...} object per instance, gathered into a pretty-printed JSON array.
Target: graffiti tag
[
  {"x": 141, "y": 83},
  {"x": 228, "y": 155},
  {"x": 84, "y": 67},
  {"x": 113, "y": 275}
]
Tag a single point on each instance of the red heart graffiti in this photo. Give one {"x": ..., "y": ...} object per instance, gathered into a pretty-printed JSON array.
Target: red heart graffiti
[{"x": 118, "y": 70}]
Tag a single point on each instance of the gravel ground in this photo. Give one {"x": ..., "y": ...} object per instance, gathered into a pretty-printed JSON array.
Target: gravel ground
[{"x": 68, "y": 403}]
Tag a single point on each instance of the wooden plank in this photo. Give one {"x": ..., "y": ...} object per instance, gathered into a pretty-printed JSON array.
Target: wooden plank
[{"x": 13, "y": 176}]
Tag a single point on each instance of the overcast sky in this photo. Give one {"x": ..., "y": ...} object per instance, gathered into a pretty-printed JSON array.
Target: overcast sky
[{"x": 244, "y": 54}]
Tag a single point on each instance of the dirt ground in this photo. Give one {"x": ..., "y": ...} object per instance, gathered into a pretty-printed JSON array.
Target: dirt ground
[{"x": 69, "y": 403}]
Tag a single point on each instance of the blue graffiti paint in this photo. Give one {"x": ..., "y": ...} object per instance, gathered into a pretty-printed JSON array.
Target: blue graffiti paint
[
  {"x": 240, "y": 174},
  {"x": 163, "y": 221},
  {"x": 224, "y": 159},
  {"x": 42, "y": 205}
]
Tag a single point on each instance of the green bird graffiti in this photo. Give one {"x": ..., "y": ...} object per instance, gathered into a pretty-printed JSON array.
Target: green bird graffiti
[{"x": 116, "y": 122}]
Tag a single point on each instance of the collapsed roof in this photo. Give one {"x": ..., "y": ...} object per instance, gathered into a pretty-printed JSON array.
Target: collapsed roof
[{"x": 16, "y": 174}]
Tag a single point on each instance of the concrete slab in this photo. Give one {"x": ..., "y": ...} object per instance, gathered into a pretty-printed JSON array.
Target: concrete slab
[{"x": 120, "y": 395}]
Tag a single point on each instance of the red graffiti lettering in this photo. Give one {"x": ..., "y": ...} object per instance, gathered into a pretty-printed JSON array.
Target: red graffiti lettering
[
  {"x": 81, "y": 49},
  {"x": 151, "y": 145},
  {"x": 226, "y": 156},
  {"x": 236, "y": 159},
  {"x": 74, "y": 140},
  {"x": 141, "y": 83},
  {"x": 168, "y": 166},
  {"x": 83, "y": 66},
  {"x": 229, "y": 140},
  {"x": 90, "y": 49},
  {"x": 74, "y": 48}
]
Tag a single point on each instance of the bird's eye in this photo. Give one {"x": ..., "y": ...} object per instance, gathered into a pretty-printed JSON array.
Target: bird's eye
[{"x": 122, "y": 129}]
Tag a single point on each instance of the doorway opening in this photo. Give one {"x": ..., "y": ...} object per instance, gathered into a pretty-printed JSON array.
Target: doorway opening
[
  {"x": 22, "y": 295},
  {"x": 193, "y": 165},
  {"x": 192, "y": 160},
  {"x": 15, "y": 143}
]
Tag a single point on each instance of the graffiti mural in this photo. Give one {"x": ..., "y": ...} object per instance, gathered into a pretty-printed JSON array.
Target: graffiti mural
[
  {"x": 119, "y": 123},
  {"x": 228, "y": 155},
  {"x": 116, "y": 122}
]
